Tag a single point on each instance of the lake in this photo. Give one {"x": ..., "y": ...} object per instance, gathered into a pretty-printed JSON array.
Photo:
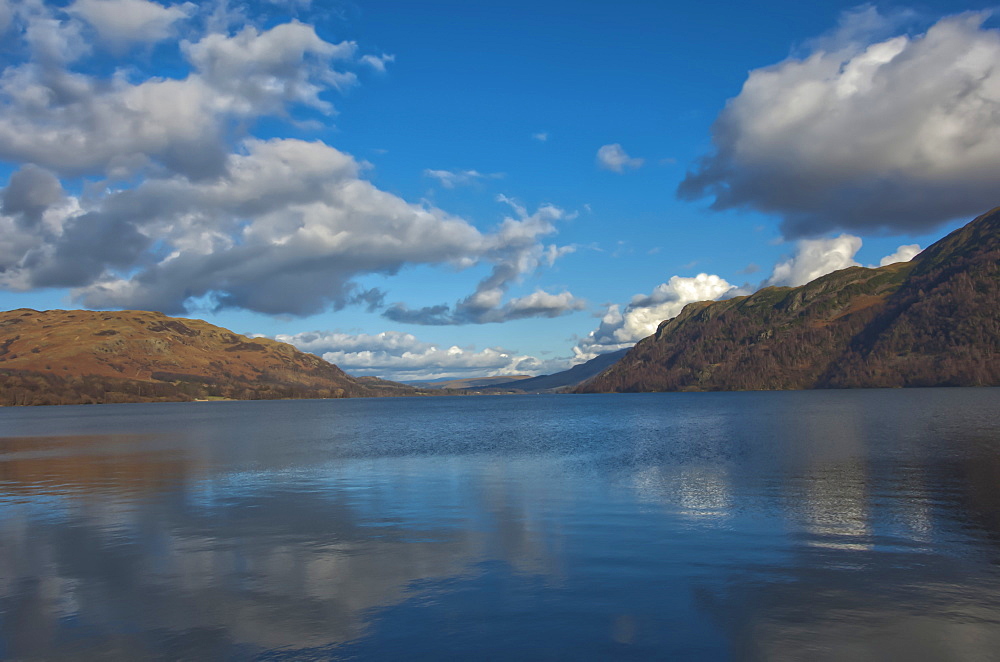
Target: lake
[{"x": 861, "y": 525}]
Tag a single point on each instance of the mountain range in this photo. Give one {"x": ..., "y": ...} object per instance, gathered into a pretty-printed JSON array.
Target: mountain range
[
  {"x": 933, "y": 321},
  {"x": 557, "y": 381}
]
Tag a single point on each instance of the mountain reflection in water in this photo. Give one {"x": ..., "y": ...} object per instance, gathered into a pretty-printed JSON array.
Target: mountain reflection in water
[{"x": 819, "y": 525}]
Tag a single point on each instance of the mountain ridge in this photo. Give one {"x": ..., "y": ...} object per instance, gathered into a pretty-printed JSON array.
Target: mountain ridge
[
  {"x": 557, "y": 381},
  {"x": 82, "y": 356},
  {"x": 928, "y": 322}
]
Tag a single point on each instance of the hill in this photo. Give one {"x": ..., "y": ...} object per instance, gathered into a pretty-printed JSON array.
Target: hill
[
  {"x": 559, "y": 380},
  {"x": 81, "y": 357},
  {"x": 933, "y": 321}
]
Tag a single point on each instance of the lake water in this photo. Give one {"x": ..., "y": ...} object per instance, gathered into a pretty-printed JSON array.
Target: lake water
[{"x": 860, "y": 525}]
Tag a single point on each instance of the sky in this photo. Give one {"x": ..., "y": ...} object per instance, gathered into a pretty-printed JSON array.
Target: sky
[{"x": 455, "y": 189}]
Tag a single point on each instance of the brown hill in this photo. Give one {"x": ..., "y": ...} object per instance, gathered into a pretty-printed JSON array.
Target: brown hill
[
  {"x": 934, "y": 321},
  {"x": 942, "y": 327},
  {"x": 80, "y": 356}
]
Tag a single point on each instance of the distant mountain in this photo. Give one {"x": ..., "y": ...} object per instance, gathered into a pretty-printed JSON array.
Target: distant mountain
[
  {"x": 468, "y": 382},
  {"x": 80, "y": 356},
  {"x": 933, "y": 321},
  {"x": 559, "y": 380}
]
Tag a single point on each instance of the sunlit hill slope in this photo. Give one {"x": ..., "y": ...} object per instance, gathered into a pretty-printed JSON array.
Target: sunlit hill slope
[{"x": 79, "y": 356}]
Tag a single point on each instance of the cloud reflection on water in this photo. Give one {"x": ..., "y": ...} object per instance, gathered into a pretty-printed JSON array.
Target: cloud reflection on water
[{"x": 759, "y": 524}]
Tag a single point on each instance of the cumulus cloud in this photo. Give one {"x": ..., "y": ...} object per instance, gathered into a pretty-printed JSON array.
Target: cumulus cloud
[
  {"x": 402, "y": 356},
  {"x": 515, "y": 250},
  {"x": 73, "y": 123},
  {"x": 613, "y": 157},
  {"x": 453, "y": 178},
  {"x": 904, "y": 253},
  {"x": 121, "y": 22},
  {"x": 814, "y": 258},
  {"x": 864, "y": 134},
  {"x": 179, "y": 212},
  {"x": 623, "y": 328},
  {"x": 53, "y": 42},
  {"x": 288, "y": 63},
  {"x": 287, "y": 229},
  {"x": 284, "y": 231}
]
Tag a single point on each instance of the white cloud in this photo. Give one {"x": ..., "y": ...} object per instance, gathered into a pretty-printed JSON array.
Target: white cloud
[
  {"x": 402, "y": 356},
  {"x": 73, "y": 123},
  {"x": 286, "y": 64},
  {"x": 814, "y": 258},
  {"x": 54, "y": 42},
  {"x": 613, "y": 157},
  {"x": 904, "y": 253},
  {"x": 121, "y": 22},
  {"x": 541, "y": 136},
  {"x": 539, "y": 304},
  {"x": 862, "y": 133},
  {"x": 515, "y": 250},
  {"x": 314, "y": 225},
  {"x": 453, "y": 178},
  {"x": 644, "y": 313},
  {"x": 286, "y": 229},
  {"x": 551, "y": 253},
  {"x": 378, "y": 62},
  {"x": 180, "y": 208}
]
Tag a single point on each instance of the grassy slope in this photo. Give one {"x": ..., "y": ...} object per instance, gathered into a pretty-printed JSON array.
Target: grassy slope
[{"x": 63, "y": 357}]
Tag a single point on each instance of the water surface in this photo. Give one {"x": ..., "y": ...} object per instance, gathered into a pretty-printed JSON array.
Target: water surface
[{"x": 798, "y": 525}]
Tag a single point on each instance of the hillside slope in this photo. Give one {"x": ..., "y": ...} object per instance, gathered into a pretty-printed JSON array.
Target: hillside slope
[
  {"x": 942, "y": 327},
  {"x": 468, "y": 383},
  {"x": 559, "y": 380},
  {"x": 932, "y": 321},
  {"x": 79, "y": 356}
]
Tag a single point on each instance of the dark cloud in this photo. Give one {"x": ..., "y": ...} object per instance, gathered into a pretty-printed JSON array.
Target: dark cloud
[
  {"x": 91, "y": 244},
  {"x": 439, "y": 315},
  {"x": 29, "y": 193},
  {"x": 372, "y": 299},
  {"x": 473, "y": 310}
]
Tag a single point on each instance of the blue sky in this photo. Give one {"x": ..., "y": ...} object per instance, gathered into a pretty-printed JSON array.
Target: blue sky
[{"x": 455, "y": 189}]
